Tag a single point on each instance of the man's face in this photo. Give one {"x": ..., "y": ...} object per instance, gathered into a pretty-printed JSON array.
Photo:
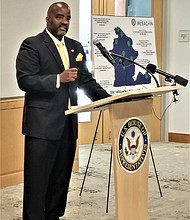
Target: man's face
[{"x": 58, "y": 20}]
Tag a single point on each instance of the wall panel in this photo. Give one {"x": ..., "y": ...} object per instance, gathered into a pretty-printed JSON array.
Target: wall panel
[{"x": 12, "y": 142}]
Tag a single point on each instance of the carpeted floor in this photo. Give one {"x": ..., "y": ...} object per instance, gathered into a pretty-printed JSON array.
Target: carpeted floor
[{"x": 173, "y": 166}]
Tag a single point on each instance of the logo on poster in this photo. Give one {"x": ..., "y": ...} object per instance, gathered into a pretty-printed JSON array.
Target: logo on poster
[
  {"x": 141, "y": 22},
  {"x": 133, "y": 145},
  {"x": 133, "y": 22}
]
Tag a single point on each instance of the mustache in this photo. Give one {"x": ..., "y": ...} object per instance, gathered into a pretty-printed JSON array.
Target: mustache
[{"x": 63, "y": 25}]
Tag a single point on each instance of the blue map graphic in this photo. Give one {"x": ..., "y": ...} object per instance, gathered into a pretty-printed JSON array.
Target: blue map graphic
[{"x": 125, "y": 70}]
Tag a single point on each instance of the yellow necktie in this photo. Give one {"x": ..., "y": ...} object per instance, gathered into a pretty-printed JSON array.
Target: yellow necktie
[
  {"x": 65, "y": 62},
  {"x": 62, "y": 55}
]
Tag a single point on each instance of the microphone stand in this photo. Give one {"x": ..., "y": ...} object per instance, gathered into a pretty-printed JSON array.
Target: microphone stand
[{"x": 131, "y": 61}]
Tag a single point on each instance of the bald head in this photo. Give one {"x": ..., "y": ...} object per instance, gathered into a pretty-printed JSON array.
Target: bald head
[
  {"x": 58, "y": 19},
  {"x": 54, "y": 6}
]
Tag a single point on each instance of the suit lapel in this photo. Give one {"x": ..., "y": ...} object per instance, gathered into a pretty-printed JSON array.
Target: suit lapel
[
  {"x": 52, "y": 48},
  {"x": 71, "y": 52}
]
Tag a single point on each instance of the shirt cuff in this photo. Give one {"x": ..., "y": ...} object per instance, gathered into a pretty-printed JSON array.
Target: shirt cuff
[{"x": 58, "y": 81}]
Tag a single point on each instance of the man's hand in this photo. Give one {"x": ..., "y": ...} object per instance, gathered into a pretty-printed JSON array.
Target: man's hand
[{"x": 68, "y": 75}]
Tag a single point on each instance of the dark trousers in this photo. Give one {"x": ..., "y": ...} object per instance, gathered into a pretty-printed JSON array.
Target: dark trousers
[{"x": 47, "y": 172}]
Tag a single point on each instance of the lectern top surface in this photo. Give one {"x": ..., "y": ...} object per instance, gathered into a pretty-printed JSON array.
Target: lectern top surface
[{"x": 127, "y": 96}]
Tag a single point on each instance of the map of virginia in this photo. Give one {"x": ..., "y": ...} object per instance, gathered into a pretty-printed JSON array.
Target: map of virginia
[{"x": 125, "y": 74}]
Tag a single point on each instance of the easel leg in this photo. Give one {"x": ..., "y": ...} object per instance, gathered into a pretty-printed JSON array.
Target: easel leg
[
  {"x": 109, "y": 180},
  {"x": 90, "y": 152},
  {"x": 110, "y": 166},
  {"x": 155, "y": 171}
]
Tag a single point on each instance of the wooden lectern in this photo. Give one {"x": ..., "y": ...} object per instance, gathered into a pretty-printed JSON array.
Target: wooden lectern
[{"x": 131, "y": 181}]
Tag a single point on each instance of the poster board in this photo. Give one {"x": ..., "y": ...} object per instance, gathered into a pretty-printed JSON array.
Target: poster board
[{"x": 131, "y": 37}]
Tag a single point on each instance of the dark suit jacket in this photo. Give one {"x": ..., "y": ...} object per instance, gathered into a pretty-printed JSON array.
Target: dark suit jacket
[{"x": 38, "y": 63}]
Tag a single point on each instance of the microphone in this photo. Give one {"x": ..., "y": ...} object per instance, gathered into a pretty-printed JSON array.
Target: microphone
[
  {"x": 178, "y": 79},
  {"x": 104, "y": 51}
]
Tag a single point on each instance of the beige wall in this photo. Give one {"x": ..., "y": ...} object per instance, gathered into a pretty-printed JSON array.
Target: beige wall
[
  {"x": 176, "y": 60},
  {"x": 20, "y": 19}
]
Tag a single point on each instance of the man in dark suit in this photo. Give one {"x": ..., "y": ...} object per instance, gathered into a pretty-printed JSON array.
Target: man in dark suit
[{"x": 50, "y": 135}]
